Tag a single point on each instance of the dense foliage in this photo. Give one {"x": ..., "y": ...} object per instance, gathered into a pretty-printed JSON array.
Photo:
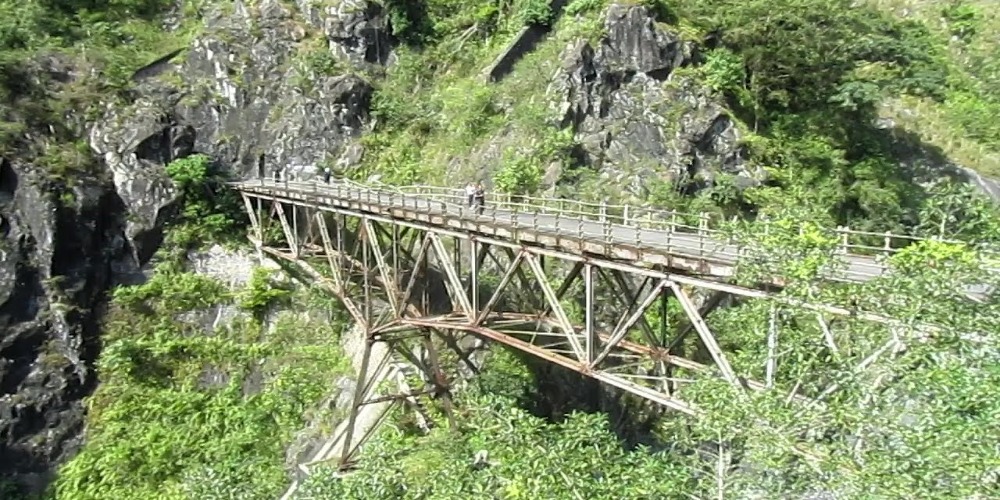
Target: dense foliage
[
  {"x": 915, "y": 421},
  {"x": 60, "y": 59},
  {"x": 503, "y": 451},
  {"x": 808, "y": 79},
  {"x": 211, "y": 212},
  {"x": 179, "y": 409},
  {"x": 189, "y": 399},
  {"x": 182, "y": 413}
]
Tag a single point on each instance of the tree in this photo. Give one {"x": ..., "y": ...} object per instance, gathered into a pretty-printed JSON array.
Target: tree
[
  {"x": 957, "y": 211},
  {"x": 211, "y": 212},
  {"x": 803, "y": 54}
]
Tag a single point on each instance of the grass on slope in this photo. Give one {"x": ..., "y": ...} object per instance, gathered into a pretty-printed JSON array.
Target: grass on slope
[
  {"x": 965, "y": 124},
  {"x": 435, "y": 111},
  {"x": 97, "y": 46}
]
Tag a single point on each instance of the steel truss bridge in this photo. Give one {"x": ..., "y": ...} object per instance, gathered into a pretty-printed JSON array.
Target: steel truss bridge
[{"x": 575, "y": 284}]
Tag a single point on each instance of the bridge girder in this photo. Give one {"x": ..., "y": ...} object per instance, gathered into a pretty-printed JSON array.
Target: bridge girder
[{"x": 367, "y": 259}]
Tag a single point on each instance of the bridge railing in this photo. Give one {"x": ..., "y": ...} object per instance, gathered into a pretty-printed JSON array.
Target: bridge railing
[
  {"x": 706, "y": 228},
  {"x": 851, "y": 241}
]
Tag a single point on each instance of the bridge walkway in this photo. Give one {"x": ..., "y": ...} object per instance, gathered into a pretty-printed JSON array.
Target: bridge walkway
[{"x": 650, "y": 238}]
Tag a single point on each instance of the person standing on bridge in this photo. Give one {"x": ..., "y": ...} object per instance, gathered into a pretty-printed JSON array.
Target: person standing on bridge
[
  {"x": 277, "y": 174},
  {"x": 326, "y": 174},
  {"x": 479, "y": 197},
  {"x": 470, "y": 194}
]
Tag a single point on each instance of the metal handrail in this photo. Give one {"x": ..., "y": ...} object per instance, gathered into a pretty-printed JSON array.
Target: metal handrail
[
  {"x": 641, "y": 218},
  {"x": 653, "y": 218}
]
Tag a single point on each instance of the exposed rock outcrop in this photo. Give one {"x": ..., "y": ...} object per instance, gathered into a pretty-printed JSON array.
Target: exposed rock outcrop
[
  {"x": 248, "y": 97},
  {"x": 57, "y": 251},
  {"x": 635, "y": 118},
  {"x": 244, "y": 89}
]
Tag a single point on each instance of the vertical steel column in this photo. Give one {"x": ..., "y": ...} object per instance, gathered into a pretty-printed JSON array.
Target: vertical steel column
[
  {"x": 395, "y": 254},
  {"x": 588, "y": 328},
  {"x": 340, "y": 222},
  {"x": 457, "y": 251},
  {"x": 359, "y": 395},
  {"x": 365, "y": 260},
  {"x": 474, "y": 276},
  {"x": 260, "y": 219},
  {"x": 295, "y": 230}
]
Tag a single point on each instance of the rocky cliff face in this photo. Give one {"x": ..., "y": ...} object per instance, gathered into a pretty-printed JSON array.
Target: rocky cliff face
[
  {"x": 249, "y": 93},
  {"x": 57, "y": 252},
  {"x": 635, "y": 118},
  {"x": 279, "y": 85},
  {"x": 246, "y": 95},
  {"x": 242, "y": 97}
]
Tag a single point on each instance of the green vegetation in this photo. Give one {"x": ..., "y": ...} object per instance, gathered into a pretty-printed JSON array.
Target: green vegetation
[
  {"x": 189, "y": 412},
  {"x": 807, "y": 79},
  {"x": 433, "y": 108},
  {"x": 503, "y": 451},
  {"x": 178, "y": 407},
  {"x": 211, "y": 213},
  {"x": 61, "y": 59},
  {"x": 916, "y": 423},
  {"x": 963, "y": 124}
]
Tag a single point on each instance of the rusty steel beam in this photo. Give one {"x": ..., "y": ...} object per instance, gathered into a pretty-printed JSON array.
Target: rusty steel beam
[
  {"x": 425, "y": 225},
  {"x": 525, "y": 311}
]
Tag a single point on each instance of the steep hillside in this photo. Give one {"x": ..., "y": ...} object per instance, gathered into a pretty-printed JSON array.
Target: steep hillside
[
  {"x": 963, "y": 124},
  {"x": 122, "y": 120}
]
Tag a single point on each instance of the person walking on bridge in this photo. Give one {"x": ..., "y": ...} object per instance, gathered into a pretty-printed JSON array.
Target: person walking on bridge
[
  {"x": 479, "y": 197},
  {"x": 470, "y": 194}
]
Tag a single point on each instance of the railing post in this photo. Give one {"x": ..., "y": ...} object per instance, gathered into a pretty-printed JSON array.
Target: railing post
[
  {"x": 673, "y": 220},
  {"x": 844, "y": 242},
  {"x": 579, "y": 228},
  {"x": 604, "y": 211},
  {"x": 702, "y": 226},
  {"x": 888, "y": 242},
  {"x": 625, "y": 215},
  {"x": 607, "y": 232},
  {"x": 670, "y": 228}
]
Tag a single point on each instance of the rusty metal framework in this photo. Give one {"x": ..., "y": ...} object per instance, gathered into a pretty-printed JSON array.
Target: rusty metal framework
[{"x": 408, "y": 282}]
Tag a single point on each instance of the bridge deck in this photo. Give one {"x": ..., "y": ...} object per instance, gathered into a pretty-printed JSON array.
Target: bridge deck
[{"x": 700, "y": 252}]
